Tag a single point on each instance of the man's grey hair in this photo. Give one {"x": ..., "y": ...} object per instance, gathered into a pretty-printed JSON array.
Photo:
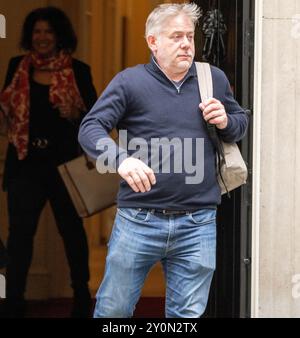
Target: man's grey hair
[{"x": 163, "y": 12}]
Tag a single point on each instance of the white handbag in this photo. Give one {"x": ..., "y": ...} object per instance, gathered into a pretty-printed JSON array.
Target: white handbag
[
  {"x": 231, "y": 168},
  {"x": 90, "y": 191}
]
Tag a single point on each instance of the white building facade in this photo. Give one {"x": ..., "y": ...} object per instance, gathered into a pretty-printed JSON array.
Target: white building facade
[{"x": 275, "y": 286}]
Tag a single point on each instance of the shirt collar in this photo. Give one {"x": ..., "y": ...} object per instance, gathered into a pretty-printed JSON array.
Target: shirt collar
[{"x": 153, "y": 65}]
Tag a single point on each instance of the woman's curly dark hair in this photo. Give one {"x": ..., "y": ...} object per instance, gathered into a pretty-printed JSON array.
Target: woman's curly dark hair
[{"x": 58, "y": 21}]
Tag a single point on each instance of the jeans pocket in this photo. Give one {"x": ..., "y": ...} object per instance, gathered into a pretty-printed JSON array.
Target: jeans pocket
[
  {"x": 203, "y": 216},
  {"x": 133, "y": 214}
]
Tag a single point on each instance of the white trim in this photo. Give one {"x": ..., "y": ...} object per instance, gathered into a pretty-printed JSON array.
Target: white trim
[{"x": 256, "y": 157}]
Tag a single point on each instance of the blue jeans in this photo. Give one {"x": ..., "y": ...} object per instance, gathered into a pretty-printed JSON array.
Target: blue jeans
[{"x": 184, "y": 244}]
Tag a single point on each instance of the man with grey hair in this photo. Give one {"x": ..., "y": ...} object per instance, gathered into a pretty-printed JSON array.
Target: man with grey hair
[{"x": 160, "y": 217}]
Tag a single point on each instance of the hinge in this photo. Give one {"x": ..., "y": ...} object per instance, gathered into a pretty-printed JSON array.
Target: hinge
[{"x": 247, "y": 261}]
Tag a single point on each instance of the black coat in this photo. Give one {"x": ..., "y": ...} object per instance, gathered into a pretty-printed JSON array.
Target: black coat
[
  {"x": 66, "y": 137},
  {"x": 3, "y": 255}
]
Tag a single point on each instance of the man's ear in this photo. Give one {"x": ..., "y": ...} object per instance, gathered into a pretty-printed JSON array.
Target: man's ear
[{"x": 152, "y": 43}]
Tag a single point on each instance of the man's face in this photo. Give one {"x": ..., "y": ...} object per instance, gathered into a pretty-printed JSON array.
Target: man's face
[{"x": 174, "y": 48}]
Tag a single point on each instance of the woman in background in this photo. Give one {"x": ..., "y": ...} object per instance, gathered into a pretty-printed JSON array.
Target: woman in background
[{"x": 45, "y": 96}]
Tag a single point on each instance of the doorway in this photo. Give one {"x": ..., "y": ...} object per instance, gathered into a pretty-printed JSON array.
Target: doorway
[
  {"x": 225, "y": 38},
  {"x": 232, "y": 51}
]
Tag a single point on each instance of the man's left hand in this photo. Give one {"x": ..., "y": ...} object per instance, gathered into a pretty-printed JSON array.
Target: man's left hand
[{"x": 214, "y": 113}]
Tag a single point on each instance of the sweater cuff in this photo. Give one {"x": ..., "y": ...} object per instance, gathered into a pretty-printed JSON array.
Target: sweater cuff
[
  {"x": 227, "y": 131},
  {"x": 122, "y": 156}
]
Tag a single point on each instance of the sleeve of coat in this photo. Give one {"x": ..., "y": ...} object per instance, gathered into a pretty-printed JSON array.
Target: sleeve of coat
[
  {"x": 11, "y": 69},
  {"x": 86, "y": 87}
]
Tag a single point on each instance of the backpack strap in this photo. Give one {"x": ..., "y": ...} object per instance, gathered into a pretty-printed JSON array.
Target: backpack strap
[
  {"x": 204, "y": 80},
  {"x": 205, "y": 84}
]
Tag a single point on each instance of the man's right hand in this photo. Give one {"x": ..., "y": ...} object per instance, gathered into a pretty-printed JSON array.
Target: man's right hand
[{"x": 137, "y": 174}]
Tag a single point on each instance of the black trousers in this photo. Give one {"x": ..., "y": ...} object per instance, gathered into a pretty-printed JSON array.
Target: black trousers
[{"x": 37, "y": 181}]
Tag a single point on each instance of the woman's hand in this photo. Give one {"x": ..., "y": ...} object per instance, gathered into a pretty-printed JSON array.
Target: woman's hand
[{"x": 68, "y": 111}]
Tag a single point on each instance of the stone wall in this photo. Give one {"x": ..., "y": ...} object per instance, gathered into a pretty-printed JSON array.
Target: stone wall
[{"x": 276, "y": 207}]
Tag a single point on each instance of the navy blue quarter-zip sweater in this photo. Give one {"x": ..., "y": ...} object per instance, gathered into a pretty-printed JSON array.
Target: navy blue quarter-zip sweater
[{"x": 148, "y": 105}]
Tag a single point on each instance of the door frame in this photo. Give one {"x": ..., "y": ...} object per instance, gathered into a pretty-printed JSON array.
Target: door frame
[
  {"x": 257, "y": 106},
  {"x": 246, "y": 85}
]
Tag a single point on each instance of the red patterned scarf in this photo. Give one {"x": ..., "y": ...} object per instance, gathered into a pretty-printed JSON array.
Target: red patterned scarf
[{"x": 15, "y": 99}]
